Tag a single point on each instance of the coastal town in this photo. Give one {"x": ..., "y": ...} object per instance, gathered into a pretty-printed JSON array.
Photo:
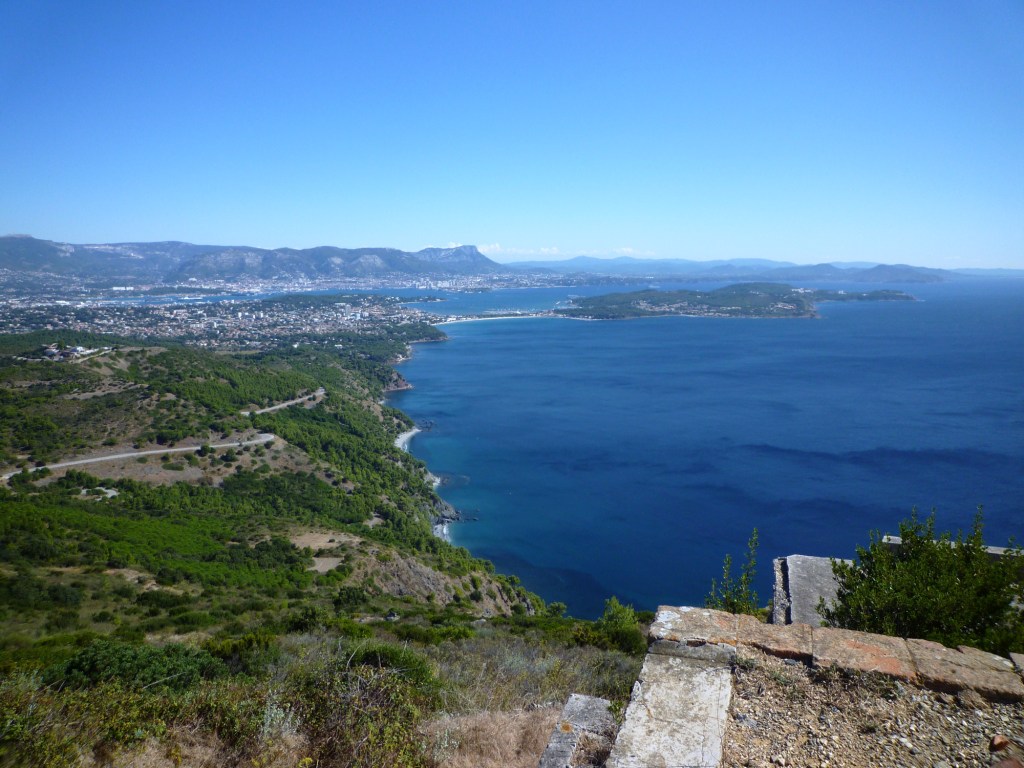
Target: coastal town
[{"x": 228, "y": 323}]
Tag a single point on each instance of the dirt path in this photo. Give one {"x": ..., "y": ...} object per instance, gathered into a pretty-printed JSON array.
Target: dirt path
[
  {"x": 317, "y": 397},
  {"x": 260, "y": 439}
]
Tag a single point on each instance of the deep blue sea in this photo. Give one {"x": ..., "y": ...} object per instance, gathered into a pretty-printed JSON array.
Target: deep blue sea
[{"x": 628, "y": 457}]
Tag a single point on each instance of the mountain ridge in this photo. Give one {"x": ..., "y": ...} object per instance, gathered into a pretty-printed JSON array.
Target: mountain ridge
[
  {"x": 742, "y": 269},
  {"x": 176, "y": 261}
]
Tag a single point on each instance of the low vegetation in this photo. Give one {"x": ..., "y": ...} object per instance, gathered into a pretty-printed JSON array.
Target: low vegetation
[
  {"x": 737, "y": 595},
  {"x": 933, "y": 586}
]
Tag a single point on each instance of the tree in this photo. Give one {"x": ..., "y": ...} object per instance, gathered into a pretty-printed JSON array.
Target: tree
[
  {"x": 732, "y": 595},
  {"x": 947, "y": 590},
  {"x": 617, "y": 629},
  {"x": 619, "y": 625}
]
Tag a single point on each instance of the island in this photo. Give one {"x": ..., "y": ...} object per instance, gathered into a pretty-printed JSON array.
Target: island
[{"x": 740, "y": 300}]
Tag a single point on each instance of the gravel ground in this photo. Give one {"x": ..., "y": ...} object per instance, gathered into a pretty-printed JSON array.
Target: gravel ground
[{"x": 785, "y": 714}]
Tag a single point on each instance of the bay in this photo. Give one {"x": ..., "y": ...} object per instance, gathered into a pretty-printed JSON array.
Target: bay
[{"x": 628, "y": 457}]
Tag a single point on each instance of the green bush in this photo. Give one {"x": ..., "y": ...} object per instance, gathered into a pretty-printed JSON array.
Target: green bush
[
  {"x": 137, "y": 666},
  {"x": 432, "y": 635},
  {"x": 406, "y": 663},
  {"x": 349, "y": 598},
  {"x": 163, "y": 599},
  {"x": 249, "y": 654},
  {"x": 617, "y": 629},
  {"x": 935, "y": 588},
  {"x": 732, "y": 595}
]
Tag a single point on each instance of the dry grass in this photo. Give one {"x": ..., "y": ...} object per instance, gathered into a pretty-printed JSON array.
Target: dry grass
[
  {"x": 500, "y": 673},
  {"x": 181, "y": 748},
  {"x": 491, "y": 739}
]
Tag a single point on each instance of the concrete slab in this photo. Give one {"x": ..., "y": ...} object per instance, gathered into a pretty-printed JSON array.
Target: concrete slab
[
  {"x": 676, "y": 716},
  {"x": 580, "y": 715},
  {"x": 693, "y": 626},
  {"x": 808, "y": 580},
  {"x": 862, "y": 652},
  {"x": 787, "y": 641},
  {"x": 946, "y": 669}
]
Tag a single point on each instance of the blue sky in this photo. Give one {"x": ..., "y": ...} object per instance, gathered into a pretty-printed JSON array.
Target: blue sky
[{"x": 809, "y": 132}]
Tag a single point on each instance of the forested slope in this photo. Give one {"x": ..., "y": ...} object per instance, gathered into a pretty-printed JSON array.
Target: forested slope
[{"x": 242, "y": 599}]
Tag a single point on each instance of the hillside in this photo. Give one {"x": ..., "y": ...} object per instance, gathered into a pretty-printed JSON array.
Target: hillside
[
  {"x": 235, "y": 583},
  {"x": 741, "y": 300}
]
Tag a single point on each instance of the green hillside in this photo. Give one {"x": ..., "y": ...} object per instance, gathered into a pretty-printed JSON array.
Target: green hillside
[{"x": 267, "y": 583}]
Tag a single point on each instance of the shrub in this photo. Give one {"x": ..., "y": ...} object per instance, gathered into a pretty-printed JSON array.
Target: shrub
[
  {"x": 307, "y": 619},
  {"x": 163, "y": 599},
  {"x": 249, "y": 654},
  {"x": 349, "y": 598},
  {"x": 406, "y": 663},
  {"x": 350, "y": 629},
  {"x": 137, "y": 666},
  {"x": 617, "y": 629},
  {"x": 432, "y": 635},
  {"x": 736, "y": 596},
  {"x": 61, "y": 619},
  {"x": 361, "y": 717},
  {"x": 620, "y": 626},
  {"x": 941, "y": 589}
]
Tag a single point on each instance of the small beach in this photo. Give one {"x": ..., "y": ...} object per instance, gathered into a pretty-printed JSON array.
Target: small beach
[{"x": 403, "y": 440}]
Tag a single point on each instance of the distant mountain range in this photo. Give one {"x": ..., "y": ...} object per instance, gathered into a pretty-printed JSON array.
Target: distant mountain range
[
  {"x": 743, "y": 269},
  {"x": 177, "y": 263}
]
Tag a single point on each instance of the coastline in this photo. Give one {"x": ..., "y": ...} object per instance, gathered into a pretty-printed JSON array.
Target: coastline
[
  {"x": 403, "y": 440},
  {"x": 440, "y": 523}
]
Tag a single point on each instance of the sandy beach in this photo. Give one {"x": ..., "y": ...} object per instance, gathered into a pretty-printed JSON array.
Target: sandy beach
[
  {"x": 442, "y": 531},
  {"x": 403, "y": 440}
]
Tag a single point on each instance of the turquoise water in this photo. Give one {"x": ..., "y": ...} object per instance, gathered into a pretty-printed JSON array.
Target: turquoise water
[{"x": 629, "y": 457}]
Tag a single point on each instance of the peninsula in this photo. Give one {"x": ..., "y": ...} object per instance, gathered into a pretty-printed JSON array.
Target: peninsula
[{"x": 740, "y": 300}]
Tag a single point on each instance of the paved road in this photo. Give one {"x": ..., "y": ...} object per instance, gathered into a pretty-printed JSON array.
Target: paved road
[{"x": 260, "y": 439}]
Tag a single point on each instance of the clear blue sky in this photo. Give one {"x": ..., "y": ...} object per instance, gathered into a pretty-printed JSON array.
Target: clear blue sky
[{"x": 818, "y": 131}]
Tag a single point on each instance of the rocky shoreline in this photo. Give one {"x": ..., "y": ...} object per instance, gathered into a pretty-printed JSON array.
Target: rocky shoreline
[{"x": 443, "y": 513}]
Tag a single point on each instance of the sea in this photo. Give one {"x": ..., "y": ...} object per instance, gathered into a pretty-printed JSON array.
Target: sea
[{"x": 629, "y": 457}]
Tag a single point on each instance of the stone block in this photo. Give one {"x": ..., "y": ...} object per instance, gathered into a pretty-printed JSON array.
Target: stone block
[
  {"x": 718, "y": 653},
  {"x": 676, "y": 716},
  {"x": 581, "y": 714},
  {"x": 946, "y": 669},
  {"x": 862, "y": 652},
  {"x": 992, "y": 661},
  {"x": 808, "y": 580},
  {"x": 693, "y": 626},
  {"x": 787, "y": 641}
]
